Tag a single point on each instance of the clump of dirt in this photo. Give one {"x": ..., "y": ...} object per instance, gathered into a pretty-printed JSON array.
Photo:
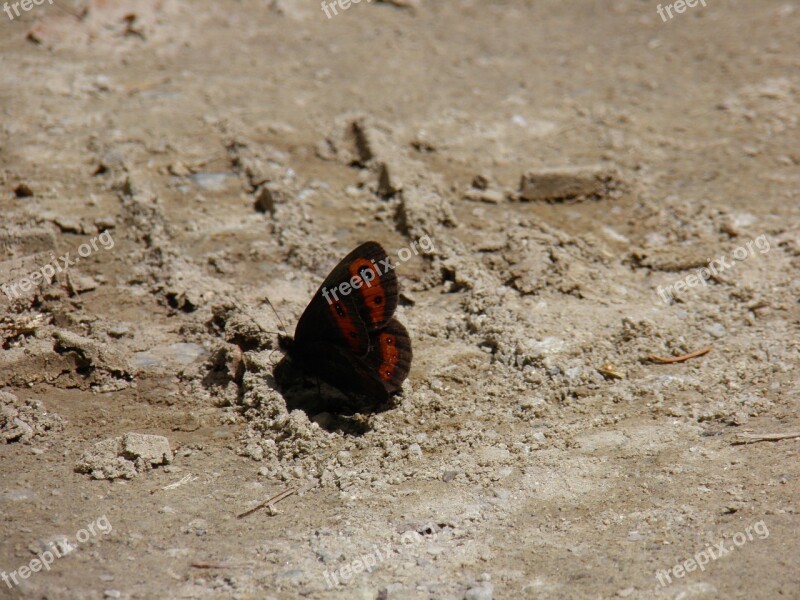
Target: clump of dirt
[
  {"x": 26, "y": 421},
  {"x": 125, "y": 456}
]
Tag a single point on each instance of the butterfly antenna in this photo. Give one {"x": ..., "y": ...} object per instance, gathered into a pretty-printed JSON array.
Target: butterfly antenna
[
  {"x": 276, "y": 314},
  {"x": 254, "y": 320},
  {"x": 269, "y": 358}
]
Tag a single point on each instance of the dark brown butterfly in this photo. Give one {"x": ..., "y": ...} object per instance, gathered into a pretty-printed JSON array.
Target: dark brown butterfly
[{"x": 348, "y": 336}]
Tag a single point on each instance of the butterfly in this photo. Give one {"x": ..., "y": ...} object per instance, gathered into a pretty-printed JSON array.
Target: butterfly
[{"x": 348, "y": 336}]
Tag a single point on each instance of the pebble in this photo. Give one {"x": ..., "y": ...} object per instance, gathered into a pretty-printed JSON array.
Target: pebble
[
  {"x": 199, "y": 527},
  {"x": 119, "y": 330},
  {"x": 295, "y": 576},
  {"x": 323, "y": 419},
  {"x": 539, "y": 436},
  {"x": 23, "y": 190},
  {"x": 484, "y": 591},
  {"x": 18, "y": 495},
  {"x": 103, "y": 223},
  {"x": 210, "y": 181},
  {"x": 68, "y": 224}
]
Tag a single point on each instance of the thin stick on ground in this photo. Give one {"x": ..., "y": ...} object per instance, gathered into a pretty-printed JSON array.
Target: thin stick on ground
[
  {"x": 208, "y": 565},
  {"x": 172, "y": 486},
  {"x": 678, "y": 359},
  {"x": 749, "y": 438},
  {"x": 274, "y": 500}
]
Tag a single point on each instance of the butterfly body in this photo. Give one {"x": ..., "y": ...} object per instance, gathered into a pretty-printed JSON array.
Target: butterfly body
[{"x": 348, "y": 336}]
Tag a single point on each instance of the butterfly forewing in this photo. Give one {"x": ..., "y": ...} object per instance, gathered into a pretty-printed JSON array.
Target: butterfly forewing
[{"x": 369, "y": 267}]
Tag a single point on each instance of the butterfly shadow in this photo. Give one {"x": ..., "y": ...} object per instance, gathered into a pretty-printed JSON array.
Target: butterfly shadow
[{"x": 330, "y": 408}]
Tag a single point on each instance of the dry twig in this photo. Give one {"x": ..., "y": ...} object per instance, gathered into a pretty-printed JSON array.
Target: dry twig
[
  {"x": 677, "y": 359},
  {"x": 172, "y": 486},
  {"x": 274, "y": 500},
  {"x": 749, "y": 438},
  {"x": 208, "y": 565},
  {"x": 610, "y": 372}
]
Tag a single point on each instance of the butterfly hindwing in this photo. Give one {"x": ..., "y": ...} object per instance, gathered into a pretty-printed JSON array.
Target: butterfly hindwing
[
  {"x": 389, "y": 357},
  {"x": 377, "y": 375}
]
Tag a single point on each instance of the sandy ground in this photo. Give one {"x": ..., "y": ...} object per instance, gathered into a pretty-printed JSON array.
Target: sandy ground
[{"x": 566, "y": 159}]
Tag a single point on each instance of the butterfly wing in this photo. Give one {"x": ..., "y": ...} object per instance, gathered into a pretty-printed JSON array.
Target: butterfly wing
[
  {"x": 389, "y": 357},
  {"x": 377, "y": 375},
  {"x": 347, "y": 335},
  {"x": 358, "y": 296}
]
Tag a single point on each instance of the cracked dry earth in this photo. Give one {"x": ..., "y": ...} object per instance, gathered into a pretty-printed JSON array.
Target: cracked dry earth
[{"x": 575, "y": 166}]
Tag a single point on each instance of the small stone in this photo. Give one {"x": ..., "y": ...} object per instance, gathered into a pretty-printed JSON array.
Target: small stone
[
  {"x": 18, "y": 495},
  {"x": 323, "y": 419},
  {"x": 178, "y": 169},
  {"x": 485, "y": 591},
  {"x": 292, "y": 577},
  {"x": 79, "y": 283},
  {"x": 558, "y": 184},
  {"x": 68, "y": 224},
  {"x": 23, "y": 190},
  {"x": 125, "y": 456},
  {"x": 214, "y": 182},
  {"x": 267, "y": 197},
  {"x": 532, "y": 403},
  {"x": 487, "y": 196},
  {"x": 480, "y": 182},
  {"x": 199, "y": 527},
  {"x": 105, "y": 223},
  {"x": 119, "y": 330},
  {"x": 491, "y": 454}
]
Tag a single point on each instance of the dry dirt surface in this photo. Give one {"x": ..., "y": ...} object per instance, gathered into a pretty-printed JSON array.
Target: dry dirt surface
[{"x": 602, "y": 200}]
